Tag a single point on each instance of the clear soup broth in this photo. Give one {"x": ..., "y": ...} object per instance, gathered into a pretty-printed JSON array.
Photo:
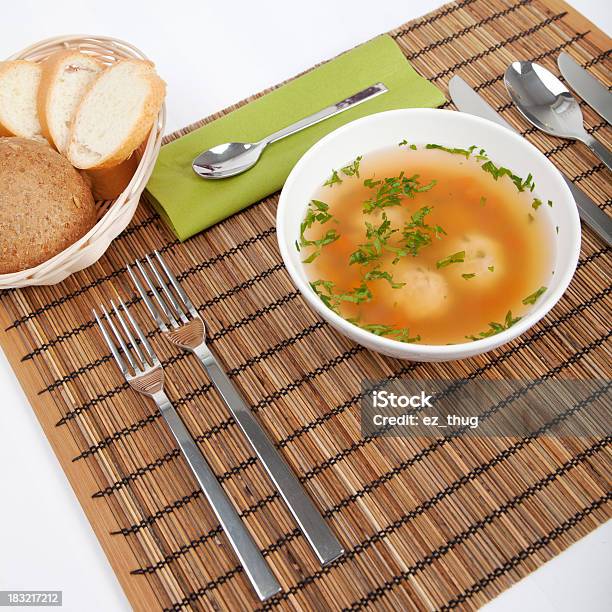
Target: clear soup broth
[{"x": 423, "y": 244}]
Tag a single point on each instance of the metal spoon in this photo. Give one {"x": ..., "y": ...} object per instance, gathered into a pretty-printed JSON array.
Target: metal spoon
[
  {"x": 233, "y": 158},
  {"x": 545, "y": 101}
]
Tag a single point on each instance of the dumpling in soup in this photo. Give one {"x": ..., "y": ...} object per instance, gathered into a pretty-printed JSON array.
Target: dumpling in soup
[
  {"x": 425, "y": 292},
  {"x": 484, "y": 257}
]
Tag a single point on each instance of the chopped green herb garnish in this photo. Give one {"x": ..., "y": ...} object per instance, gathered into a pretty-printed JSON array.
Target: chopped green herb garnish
[
  {"x": 536, "y": 203},
  {"x": 496, "y": 328},
  {"x": 333, "y": 179},
  {"x": 297, "y": 246},
  {"x": 357, "y": 295},
  {"x": 526, "y": 184},
  {"x": 550, "y": 203},
  {"x": 377, "y": 237},
  {"x": 465, "y": 152},
  {"x": 468, "y": 276},
  {"x": 417, "y": 234},
  {"x": 318, "y": 212},
  {"x": 491, "y": 268},
  {"x": 483, "y": 200},
  {"x": 329, "y": 237},
  {"x": 353, "y": 168},
  {"x": 510, "y": 321},
  {"x": 458, "y": 257},
  {"x": 377, "y": 274},
  {"x": 414, "y": 240},
  {"x": 533, "y": 298},
  {"x": 390, "y": 191},
  {"x": 496, "y": 172},
  {"x": 405, "y": 143},
  {"x": 402, "y": 334},
  {"x": 417, "y": 218},
  {"x": 557, "y": 228},
  {"x": 325, "y": 290}
]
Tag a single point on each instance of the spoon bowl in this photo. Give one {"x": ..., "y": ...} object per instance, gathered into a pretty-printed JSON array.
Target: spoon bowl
[
  {"x": 227, "y": 159},
  {"x": 547, "y": 103},
  {"x": 543, "y": 99}
]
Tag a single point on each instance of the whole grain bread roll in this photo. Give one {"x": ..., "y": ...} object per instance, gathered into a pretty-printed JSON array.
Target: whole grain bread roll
[{"x": 45, "y": 204}]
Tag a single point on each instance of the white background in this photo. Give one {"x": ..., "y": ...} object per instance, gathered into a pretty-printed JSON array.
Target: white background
[{"x": 211, "y": 54}]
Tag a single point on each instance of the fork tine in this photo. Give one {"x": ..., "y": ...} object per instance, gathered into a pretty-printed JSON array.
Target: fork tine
[
  {"x": 128, "y": 333},
  {"x": 111, "y": 345},
  {"x": 150, "y": 306},
  {"x": 157, "y": 297},
  {"x": 167, "y": 292},
  {"x": 148, "y": 348},
  {"x": 176, "y": 285},
  {"x": 119, "y": 338}
]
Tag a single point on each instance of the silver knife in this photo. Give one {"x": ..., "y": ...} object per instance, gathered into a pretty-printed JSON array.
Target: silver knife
[
  {"x": 468, "y": 101},
  {"x": 586, "y": 85}
]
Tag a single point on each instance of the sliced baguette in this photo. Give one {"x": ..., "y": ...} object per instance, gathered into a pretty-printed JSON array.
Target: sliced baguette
[
  {"x": 66, "y": 75},
  {"x": 19, "y": 82},
  {"x": 115, "y": 114}
]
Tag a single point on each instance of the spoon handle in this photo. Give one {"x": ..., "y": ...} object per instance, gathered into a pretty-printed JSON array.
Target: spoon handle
[
  {"x": 600, "y": 150},
  {"x": 330, "y": 111}
]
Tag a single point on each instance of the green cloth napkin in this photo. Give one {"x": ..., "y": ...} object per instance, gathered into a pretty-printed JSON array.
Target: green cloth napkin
[{"x": 190, "y": 204}]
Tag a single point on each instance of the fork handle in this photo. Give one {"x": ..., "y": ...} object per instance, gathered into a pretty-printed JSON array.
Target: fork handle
[
  {"x": 253, "y": 562},
  {"x": 313, "y": 526}
]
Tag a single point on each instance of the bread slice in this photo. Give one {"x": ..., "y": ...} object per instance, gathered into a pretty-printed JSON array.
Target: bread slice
[
  {"x": 66, "y": 75},
  {"x": 19, "y": 82},
  {"x": 115, "y": 114}
]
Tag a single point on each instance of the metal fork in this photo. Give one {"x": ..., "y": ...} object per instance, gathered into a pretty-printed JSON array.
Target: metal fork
[
  {"x": 181, "y": 324},
  {"x": 144, "y": 373}
]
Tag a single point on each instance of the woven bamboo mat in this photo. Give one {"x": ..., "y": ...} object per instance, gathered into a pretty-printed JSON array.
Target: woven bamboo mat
[{"x": 426, "y": 523}]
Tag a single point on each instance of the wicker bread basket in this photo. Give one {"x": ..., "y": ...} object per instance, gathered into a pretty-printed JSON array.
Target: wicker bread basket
[{"x": 113, "y": 216}]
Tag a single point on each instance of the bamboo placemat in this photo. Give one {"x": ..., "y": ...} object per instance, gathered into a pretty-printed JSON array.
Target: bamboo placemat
[{"x": 426, "y": 523}]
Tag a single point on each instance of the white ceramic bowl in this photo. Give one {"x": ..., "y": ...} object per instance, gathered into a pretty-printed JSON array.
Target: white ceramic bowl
[{"x": 448, "y": 128}]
